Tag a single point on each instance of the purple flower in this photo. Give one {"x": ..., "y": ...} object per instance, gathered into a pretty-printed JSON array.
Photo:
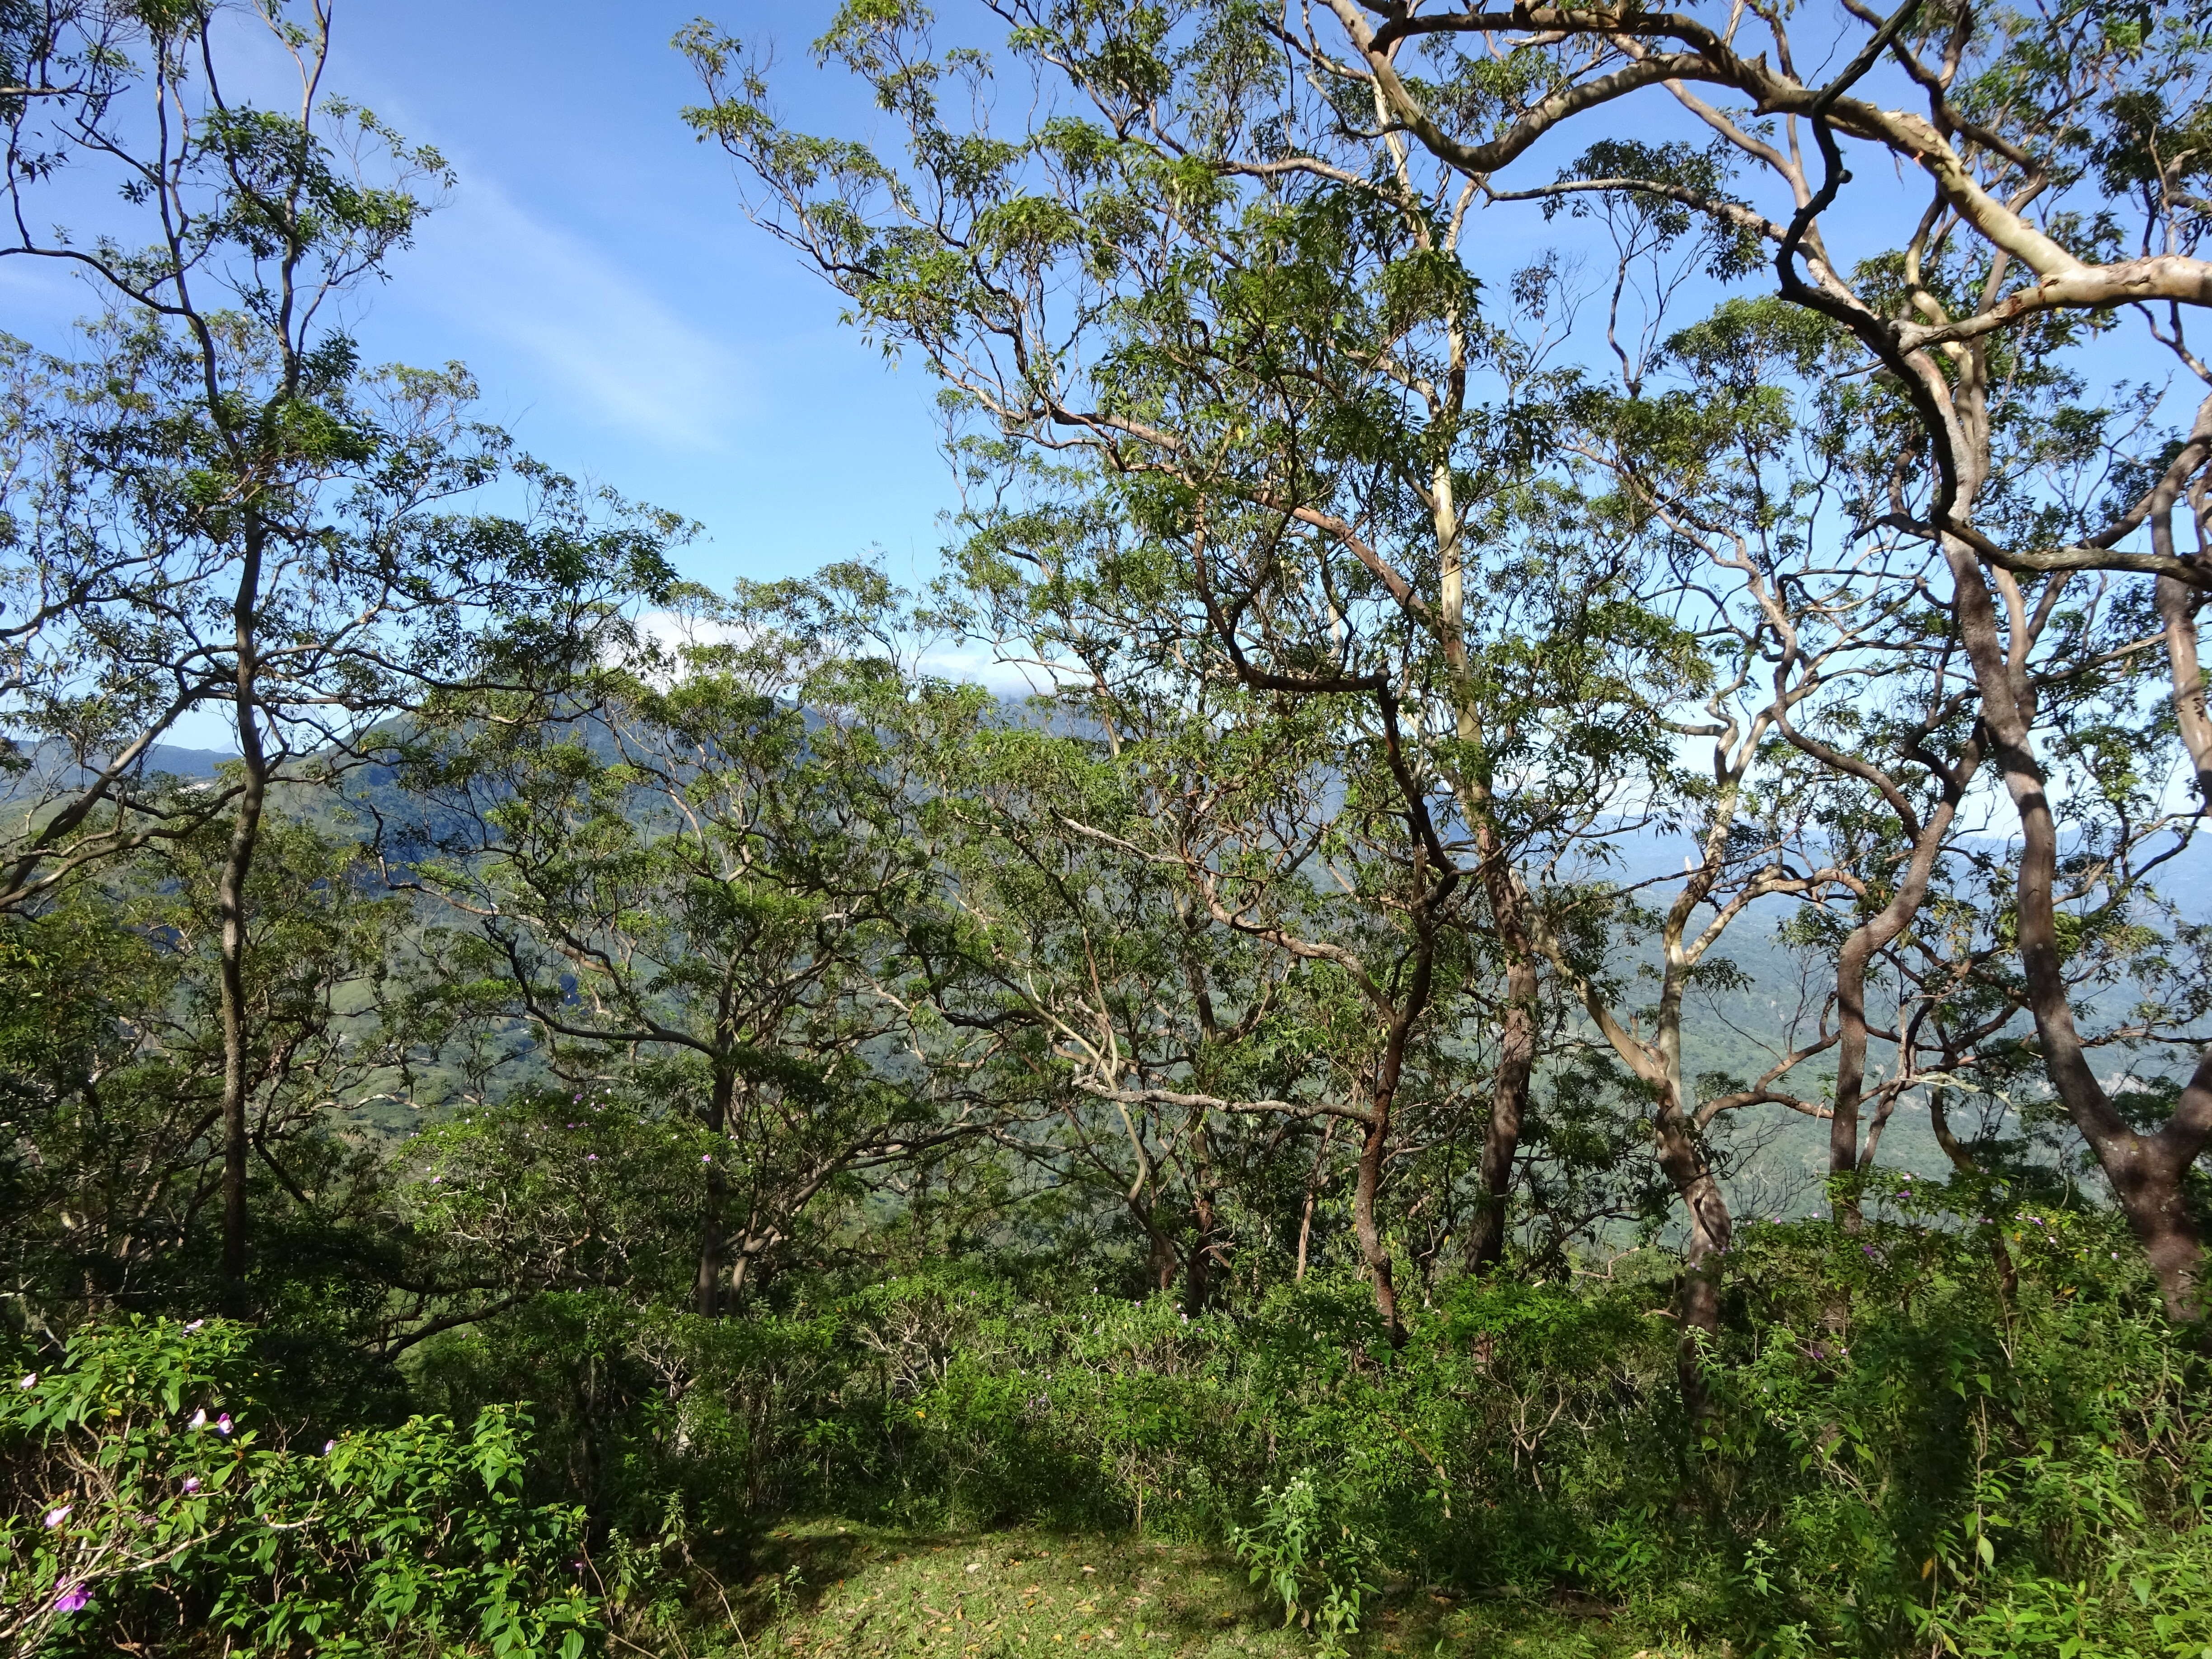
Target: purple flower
[
  {"x": 329, "y": 1446},
  {"x": 60, "y": 1513},
  {"x": 1866, "y": 1249},
  {"x": 200, "y": 1419},
  {"x": 30, "y": 1380},
  {"x": 222, "y": 1423},
  {"x": 191, "y": 1483},
  {"x": 72, "y": 1598},
  {"x": 194, "y": 1325},
  {"x": 591, "y": 1158},
  {"x": 706, "y": 1157}
]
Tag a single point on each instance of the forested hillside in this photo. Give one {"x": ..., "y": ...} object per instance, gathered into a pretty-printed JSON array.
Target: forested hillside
[{"x": 1575, "y": 1019}]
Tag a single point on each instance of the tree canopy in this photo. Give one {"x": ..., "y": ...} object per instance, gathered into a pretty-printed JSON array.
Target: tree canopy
[{"x": 681, "y": 1053}]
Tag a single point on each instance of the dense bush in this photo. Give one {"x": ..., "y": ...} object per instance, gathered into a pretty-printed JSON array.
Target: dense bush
[
  {"x": 1897, "y": 1453},
  {"x": 155, "y": 1496}
]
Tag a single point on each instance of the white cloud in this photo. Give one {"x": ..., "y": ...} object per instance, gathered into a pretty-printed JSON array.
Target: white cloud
[
  {"x": 614, "y": 351},
  {"x": 979, "y": 665}
]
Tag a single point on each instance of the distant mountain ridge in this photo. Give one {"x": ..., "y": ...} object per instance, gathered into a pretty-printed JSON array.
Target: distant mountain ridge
[{"x": 161, "y": 759}]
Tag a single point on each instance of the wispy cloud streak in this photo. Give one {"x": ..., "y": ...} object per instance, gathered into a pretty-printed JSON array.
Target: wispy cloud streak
[{"x": 608, "y": 349}]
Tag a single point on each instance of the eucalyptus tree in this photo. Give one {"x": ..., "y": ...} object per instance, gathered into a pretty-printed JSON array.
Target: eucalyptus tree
[
  {"x": 56, "y": 52},
  {"x": 713, "y": 872},
  {"x": 2059, "y": 163},
  {"x": 217, "y": 508},
  {"x": 1271, "y": 368},
  {"x": 1244, "y": 321},
  {"x": 1194, "y": 937},
  {"x": 113, "y": 1163}
]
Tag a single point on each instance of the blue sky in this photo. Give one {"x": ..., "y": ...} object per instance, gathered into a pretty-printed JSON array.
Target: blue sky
[{"x": 593, "y": 268}]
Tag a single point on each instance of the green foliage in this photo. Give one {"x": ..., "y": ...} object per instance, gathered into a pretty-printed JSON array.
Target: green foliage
[
  {"x": 1248, "y": 1098},
  {"x": 156, "y": 1492},
  {"x": 1316, "y": 1565},
  {"x": 1898, "y": 1451},
  {"x": 113, "y": 1067}
]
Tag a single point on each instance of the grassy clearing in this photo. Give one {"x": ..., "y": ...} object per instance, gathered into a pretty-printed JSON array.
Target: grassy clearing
[{"x": 831, "y": 1588}]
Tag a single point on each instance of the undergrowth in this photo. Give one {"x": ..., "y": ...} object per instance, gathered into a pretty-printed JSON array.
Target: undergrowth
[{"x": 1892, "y": 1453}]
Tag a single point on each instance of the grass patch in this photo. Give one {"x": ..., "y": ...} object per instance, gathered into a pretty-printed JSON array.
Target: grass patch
[{"x": 834, "y": 1588}]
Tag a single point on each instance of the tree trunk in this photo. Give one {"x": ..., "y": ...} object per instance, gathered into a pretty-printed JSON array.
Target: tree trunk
[
  {"x": 1509, "y": 1100},
  {"x": 1373, "y": 1253},
  {"x": 1712, "y": 1230},
  {"x": 1312, "y": 1185},
  {"x": 1509, "y": 902},
  {"x": 2150, "y": 1175},
  {"x": 2146, "y": 1172},
  {"x": 2176, "y": 614},
  {"x": 1198, "y": 1277},
  {"x": 1869, "y": 937},
  {"x": 230, "y": 908},
  {"x": 706, "y": 1288}
]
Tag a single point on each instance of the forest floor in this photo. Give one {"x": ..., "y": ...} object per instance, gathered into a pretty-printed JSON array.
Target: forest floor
[{"x": 833, "y": 1588}]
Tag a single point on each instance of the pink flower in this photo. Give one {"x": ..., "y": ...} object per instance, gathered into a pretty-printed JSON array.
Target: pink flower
[
  {"x": 199, "y": 1420},
  {"x": 60, "y": 1513},
  {"x": 195, "y": 1325},
  {"x": 329, "y": 1446},
  {"x": 30, "y": 1380},
  {"x": 222, "y": 1423},
  {"x": 72, "y": 1598},
  {"x": 191, "y": 1483},
  {"x": 591, "y": 1158}
]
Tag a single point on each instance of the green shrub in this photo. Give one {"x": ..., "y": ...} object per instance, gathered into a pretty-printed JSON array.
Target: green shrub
[
  {"x": 1314, "y": 1562},
  {"x": 146, "y": 1498},
  {"x": 1898, "y": 1455}
]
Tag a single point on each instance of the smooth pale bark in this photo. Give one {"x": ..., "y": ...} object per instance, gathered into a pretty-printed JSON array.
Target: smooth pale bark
[
  {"x": 2176, "y": 614},
  {"x": 2147, "y": 1173},
  {"x": 1313, "y": 1187},
  {"x": 2178, "y": 602},
  {"x": 1845, "y": 1157},
  {"x": 1712, "y": 1230},
  {"x": 1657, "y": 1065}
]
